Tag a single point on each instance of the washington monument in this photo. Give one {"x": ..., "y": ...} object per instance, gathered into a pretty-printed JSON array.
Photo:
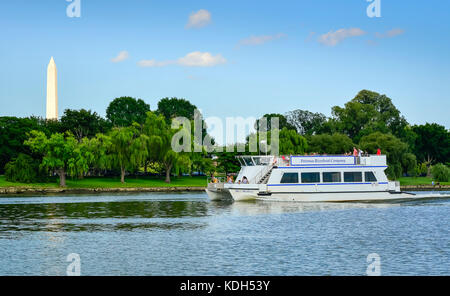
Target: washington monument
[{"x": 52, "y": 91}]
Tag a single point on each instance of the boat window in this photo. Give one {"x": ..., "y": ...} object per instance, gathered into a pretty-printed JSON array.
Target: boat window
[
  {"x": 248, "y": 161},
  {"x": 370, "y": 177},
  {"x": 265, "y": 160},
  {"x": 310, "y": 177},
  {"x": 289, "y": 178},
  {"x": 257, "y": 160},
  {"x": 334, "y": 177},
  {"x": 352, "y": 176}
]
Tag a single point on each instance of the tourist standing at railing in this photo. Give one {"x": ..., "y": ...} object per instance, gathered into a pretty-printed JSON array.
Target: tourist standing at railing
[{"x": 378, "y": 151}]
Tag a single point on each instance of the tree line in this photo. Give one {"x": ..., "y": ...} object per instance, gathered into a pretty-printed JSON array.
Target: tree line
[
  {"x": 132, "y": 139},
  {"x": 368, "y": 121}
]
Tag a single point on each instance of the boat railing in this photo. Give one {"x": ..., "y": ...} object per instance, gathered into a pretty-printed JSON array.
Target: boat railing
[
  {"x": 261, "y": 174},
  {"x": 216, "y": 180}
]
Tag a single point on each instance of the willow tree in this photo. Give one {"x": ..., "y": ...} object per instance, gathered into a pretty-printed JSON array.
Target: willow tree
[
  {"x": 160, "y": 138},
  {"x": 60, "y": 153},
  {"x": 96, "y": 151},
  {"x": 127, "y": 148}
]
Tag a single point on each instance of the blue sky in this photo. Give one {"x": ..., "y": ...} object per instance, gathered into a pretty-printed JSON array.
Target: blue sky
[{"x": 237, "y": 58}]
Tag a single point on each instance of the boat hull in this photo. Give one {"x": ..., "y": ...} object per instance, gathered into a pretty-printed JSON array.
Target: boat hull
[
  {"x": 218, "y": 194},
  {"x": 320, "y": 196}
]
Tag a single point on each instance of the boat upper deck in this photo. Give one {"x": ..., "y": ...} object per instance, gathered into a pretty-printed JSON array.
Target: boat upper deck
[{"x": 313, "y": 161}]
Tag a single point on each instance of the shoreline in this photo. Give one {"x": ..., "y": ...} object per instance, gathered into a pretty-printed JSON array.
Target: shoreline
[
  {"x": 425, "y": 188},
  {"x": 6, "y": 191}
]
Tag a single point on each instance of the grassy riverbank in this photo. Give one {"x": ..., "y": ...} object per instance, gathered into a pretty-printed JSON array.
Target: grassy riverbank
[
  {"x": 110, "y": 182},
  {"x": 415, "y": 181}
]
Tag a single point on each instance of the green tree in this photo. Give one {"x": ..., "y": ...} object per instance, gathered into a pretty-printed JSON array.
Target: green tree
[
  {"x": 160, "y": 136},
  {"x": 291, "y": 143},
  {"x": 354, "y": 118},
  {"x": 123, "y": 111},
  {"x": 409, "y": 164},
  {"x": 128, "y": 148},
  {"x": 83, "y": 123},
  {"x": 60, "y": 153},
  {"x": 330, "y": 144},
  {"x": 387, "y": 113},
  {"x": 432, "y": 143},
  {"x": 23, "y": 169},
  {"x": 389, "y": 145},
  {"x": 13, "y": 132},
  {"x": 306, "y": 122},
  {"x": 97, "y": 149},
  {"x": 367, "y": 113},
  {"x": 175, "y": 107},
  {"x": 440, "y": 173},
  {"x": 227, "y": 162},
  {"x": 282, "y": 122}
]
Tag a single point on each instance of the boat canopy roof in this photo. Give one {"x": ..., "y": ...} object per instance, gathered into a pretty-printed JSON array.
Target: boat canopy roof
[
  {"x": 310, "y": 160},
  {"x": 248, "y": 160}
]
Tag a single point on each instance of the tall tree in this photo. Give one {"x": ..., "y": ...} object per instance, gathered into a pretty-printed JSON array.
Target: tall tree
[
  {"x": 369, "y": 112},
  {"x": 98, "y": 147},
  {"x": 123, "y": 111},
  {"x": 282, "y": 122},
  {"x": 227, "y": 162},
  {"x": 127, "y": 149},
  {"x": 13, "y": 132},
  {"x": 61, "y": 153},
  {"x": 83, "y": 123},
  {"x": 394, "y": 149},
  {"x": 432, "y": 143},
  {"x": 291, "y": 143},
  {"x": 160, "y": 142},
  {"x": 306, "y": 122},
  {"x": 330, "y": 144},
  {"x": 175, "y": 107}
]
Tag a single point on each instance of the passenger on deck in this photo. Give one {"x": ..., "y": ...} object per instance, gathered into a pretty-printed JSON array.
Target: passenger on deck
[{"x": 244, "y": 180}]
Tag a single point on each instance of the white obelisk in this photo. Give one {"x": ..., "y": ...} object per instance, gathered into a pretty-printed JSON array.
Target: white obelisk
[{"x": 52, "y": 91}]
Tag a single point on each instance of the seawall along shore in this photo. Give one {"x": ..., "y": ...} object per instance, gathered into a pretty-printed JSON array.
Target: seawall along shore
[{"x": 26, "y": 190}]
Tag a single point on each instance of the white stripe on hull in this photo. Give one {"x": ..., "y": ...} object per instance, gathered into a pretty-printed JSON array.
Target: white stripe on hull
[{"x": 320, "y": 197}]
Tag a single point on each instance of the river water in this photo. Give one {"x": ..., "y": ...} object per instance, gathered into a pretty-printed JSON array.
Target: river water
[{"x": 186, "y": 234}]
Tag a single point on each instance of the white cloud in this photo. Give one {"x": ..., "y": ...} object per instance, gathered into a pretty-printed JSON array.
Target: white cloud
[
  {"x": 193, "y": 59},
  {"x": 390, "y": 33},
  {"x": 333, "y": 38},
  {"x": 258, "y": 40},
  {"x": 201, "y": 59},
  {"x": 154, "y": 63},
  {"x": 122, "y": 56},
  {"x": 199, "y": 19}
]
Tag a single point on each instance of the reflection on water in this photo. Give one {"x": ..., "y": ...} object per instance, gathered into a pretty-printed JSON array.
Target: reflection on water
[
  {"x": 95, "y": 214},
  {"x": 171, "y": 234},
  {"x": 271, "y": 207}
]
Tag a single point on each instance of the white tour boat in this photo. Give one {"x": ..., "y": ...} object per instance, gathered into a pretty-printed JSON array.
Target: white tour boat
[{"x": 321, "y": 178}]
